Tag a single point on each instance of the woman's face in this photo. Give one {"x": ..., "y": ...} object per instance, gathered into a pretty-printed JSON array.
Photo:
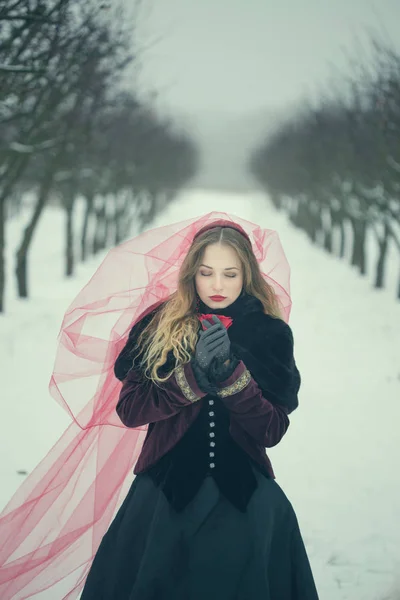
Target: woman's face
[{"x": 219, "y": 274}]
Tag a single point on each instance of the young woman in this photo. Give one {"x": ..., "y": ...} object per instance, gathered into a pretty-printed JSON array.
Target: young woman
[
  {"x": 211, "y": 371},
  {"x": 174, "y": 361}
]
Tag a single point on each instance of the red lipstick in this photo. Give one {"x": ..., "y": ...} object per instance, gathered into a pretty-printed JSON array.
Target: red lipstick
[{"x": 218, "y": 298}]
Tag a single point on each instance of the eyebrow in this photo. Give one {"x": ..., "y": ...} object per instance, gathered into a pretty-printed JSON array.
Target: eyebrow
[{"x": 227, "y": 269}]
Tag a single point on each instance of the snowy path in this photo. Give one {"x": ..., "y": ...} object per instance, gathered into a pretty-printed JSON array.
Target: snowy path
[{"x": 337, "y": 464}]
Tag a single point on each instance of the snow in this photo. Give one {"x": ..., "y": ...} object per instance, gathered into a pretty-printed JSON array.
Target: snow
[{"x": 337, "y": 463}]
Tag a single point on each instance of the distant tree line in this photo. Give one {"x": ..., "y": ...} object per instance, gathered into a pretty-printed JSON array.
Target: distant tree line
[
  {"x": 71, "y": 127},
  {"x": 335, "y": 166}
]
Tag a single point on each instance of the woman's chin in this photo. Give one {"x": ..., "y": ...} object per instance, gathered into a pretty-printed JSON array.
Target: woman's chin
[{"x": 215, "y": 304}]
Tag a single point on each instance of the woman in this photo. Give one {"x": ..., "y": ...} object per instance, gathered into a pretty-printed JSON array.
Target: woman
[
  {"x": 211, "y": 372},
  {"x": 190, "y": 413}
]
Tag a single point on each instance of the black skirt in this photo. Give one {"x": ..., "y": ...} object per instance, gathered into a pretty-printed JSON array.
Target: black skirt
[{"x": 210, "y": 550}]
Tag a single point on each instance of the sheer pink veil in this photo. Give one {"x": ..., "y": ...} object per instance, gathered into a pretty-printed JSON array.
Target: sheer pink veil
[{"x": 51, "y": 528}]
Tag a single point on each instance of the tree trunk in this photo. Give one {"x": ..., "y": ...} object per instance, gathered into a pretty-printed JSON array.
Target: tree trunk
[
  {"x": 98, "y": 237},
  {"x": 328, "y": 243},
  {"x": 342, "y": 237},
  {"x": 362, "y": 251},
  {"x": 106, "y": 231},
  {"x": 22, "y": 253},
  {"x": 88, "y": 212},
  {"x": 353, "y": 261},
  {"x": 121, "y": 216},
  {"x": 8, "y": 185},
  {"x": 276, "y": 200},
  {"x": 69, "y": 195},
  {"x": 328, "y": 230},
  {"x": 151, "y": 210},
  {"x": 380, "y": 266},
  {"x": 314, "y": 226},
  {"x": 69, "y": 241},
  {"x": 358, "y": 254}
]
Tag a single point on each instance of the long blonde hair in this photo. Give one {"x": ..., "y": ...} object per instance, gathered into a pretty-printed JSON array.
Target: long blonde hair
[{"x": 175, "y": 325}]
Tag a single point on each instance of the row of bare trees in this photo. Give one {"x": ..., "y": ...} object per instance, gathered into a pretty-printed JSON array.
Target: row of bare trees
[
  {"x": 335, "y": 167},
  {"x": 71, "y": 127}
]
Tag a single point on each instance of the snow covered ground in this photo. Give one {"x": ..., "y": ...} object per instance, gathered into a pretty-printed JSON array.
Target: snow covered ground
[{"x": 338, "y": 463}]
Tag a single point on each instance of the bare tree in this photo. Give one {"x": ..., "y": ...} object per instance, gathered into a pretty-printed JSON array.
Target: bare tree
[
  {"x": 340, "y": 162},
  {"x": 69, "y": 128}
]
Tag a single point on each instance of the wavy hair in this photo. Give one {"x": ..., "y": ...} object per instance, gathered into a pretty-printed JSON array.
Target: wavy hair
[{"x": 174, "y": 327}]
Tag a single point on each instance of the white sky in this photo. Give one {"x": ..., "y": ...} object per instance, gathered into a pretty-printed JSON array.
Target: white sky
[{"x": 243, "y": 55}]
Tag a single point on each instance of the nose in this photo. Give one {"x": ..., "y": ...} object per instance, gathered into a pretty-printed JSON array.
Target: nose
[{"x": 218, "y": 284}]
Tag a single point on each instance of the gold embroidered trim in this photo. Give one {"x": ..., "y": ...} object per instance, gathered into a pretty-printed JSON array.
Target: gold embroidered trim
[
  {"x": 236, "y": 387},
  {"x": 183, "y": 384}
]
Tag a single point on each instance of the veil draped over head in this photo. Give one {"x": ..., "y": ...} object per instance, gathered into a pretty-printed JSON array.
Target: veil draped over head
[{"x": 51, "y": 528}]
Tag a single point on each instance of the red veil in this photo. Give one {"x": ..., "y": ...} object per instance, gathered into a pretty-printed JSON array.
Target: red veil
[{"x": 51, "y": 528}]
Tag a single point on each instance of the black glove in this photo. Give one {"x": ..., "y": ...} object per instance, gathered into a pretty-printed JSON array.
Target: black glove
[
  {"x": 213, "y": 343},
  {"x": 202, "y": 379},
  {"x": 219, "y": 371},
  {"x": 212, "y": 350}
]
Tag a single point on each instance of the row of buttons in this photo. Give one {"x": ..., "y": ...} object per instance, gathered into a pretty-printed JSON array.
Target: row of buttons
[{"x": 212, "y": 434}]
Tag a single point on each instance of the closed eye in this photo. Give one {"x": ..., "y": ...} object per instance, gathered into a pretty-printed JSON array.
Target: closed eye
[{"x": 209, "y": 274}]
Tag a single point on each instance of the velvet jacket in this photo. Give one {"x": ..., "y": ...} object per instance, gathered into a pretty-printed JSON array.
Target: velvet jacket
[{"x": 250, "y": 407}]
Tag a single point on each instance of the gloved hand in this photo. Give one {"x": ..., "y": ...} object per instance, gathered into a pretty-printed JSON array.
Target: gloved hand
[
  {"x": 213, "y": 343},
  {"x": 220, "y": 370}
]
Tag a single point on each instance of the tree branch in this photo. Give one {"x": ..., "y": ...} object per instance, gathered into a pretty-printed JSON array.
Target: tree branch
[{"x": 19, "y": 69}]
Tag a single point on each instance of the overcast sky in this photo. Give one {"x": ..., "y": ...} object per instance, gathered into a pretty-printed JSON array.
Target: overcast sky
[{"x": 243, "y": 55}]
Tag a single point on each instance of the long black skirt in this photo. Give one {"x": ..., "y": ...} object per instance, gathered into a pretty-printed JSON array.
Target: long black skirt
[{"x": 209, "y": 551}]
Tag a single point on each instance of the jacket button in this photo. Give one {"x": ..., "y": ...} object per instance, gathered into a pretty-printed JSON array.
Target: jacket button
[
  {"x": 212, "y": 424},
  {"x": 211, "y": 402},
  {"x": 211, "y": 413},
  {"x": 212, "y": 454},
  {"x": 212, "y": 434},
  {"x": 212, "y": 444},
  {"x": 212, "y": 465}
]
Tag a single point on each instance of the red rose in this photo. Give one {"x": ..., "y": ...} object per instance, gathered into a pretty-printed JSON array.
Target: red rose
[{"x": 226, "y": 321}]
